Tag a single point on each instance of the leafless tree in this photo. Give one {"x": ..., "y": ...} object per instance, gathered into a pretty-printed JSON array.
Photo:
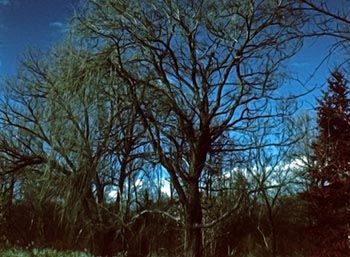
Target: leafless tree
[
  {"x": 197, "y": 71},
  {"x": 65, "y": 123},
  {"x": 328, "y": 20}
]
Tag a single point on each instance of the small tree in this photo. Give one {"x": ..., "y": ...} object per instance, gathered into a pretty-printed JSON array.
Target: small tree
[{"x": 329, "y": 190}]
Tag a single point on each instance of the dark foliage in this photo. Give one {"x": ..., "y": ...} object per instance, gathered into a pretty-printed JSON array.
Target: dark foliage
[{"x": 329, "y": 192}]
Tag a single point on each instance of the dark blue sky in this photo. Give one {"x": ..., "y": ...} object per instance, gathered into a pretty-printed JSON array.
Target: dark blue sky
[
  {"x": 26, "y": 24},
  {"x": 30, "y": 23}
]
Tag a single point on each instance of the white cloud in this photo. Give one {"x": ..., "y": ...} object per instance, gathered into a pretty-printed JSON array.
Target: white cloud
[
  {"x": 165, "y": 187},
  {"x": 113, "y": 194},
  {"x": 138, "y": 183},
  {"x": 57, "y": 24},
  {"x": 60, "y": 26}
]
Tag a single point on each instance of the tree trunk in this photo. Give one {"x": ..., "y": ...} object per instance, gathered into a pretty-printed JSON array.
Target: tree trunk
[
  {"x": 120, "y": 192},
  {"x": 193, "y": 220},
  {"x": 273, "y": 237},
  {"x": 272, "y": 228}
]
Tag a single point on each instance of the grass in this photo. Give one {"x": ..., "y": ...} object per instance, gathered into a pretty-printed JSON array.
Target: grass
[{"x": 16, "y": 252}]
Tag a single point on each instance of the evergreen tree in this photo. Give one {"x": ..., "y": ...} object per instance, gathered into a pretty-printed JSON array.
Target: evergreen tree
[{"x": 330, "y": 180}]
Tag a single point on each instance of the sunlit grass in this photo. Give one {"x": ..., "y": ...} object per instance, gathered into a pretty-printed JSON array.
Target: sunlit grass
[{"x": 16, "y": 252}]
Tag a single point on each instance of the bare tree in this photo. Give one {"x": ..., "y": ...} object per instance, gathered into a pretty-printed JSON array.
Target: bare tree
[
  {"x": 274, "y": 173},
  {"x": 196, "y": 71},
  {"x": 328, "y": 20},
  {"x": 77, "y": 135}
]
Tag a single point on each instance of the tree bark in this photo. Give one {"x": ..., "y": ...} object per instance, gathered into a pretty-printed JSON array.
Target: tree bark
[{"x": 193, "y": 220}]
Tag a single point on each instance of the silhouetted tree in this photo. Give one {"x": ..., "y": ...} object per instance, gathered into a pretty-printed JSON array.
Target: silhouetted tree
[{"x": 329, "y": 190}]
